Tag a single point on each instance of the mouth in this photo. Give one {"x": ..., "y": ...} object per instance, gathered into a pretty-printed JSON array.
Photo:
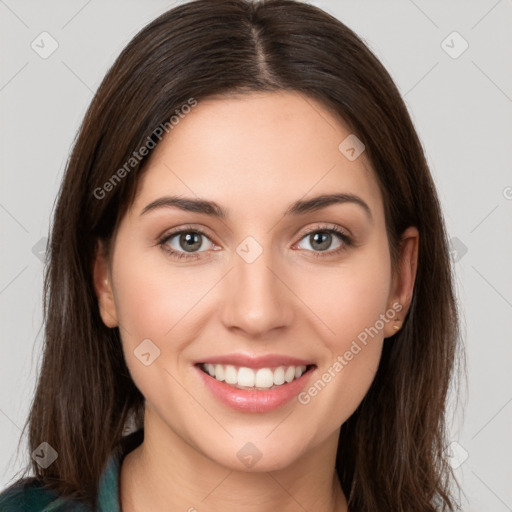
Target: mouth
[
  {"x": 255, "y": 379},
  {"x": 254, "y": 390}
]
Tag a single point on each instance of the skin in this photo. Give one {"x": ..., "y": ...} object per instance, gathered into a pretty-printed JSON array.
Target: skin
[{"x": 254, "y": 155}]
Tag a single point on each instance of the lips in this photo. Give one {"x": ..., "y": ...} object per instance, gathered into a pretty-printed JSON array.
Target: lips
[{"x": 252, "y": 400}]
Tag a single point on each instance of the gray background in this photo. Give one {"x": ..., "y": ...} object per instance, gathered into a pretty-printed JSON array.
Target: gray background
[{"x": 461, "y": 105}]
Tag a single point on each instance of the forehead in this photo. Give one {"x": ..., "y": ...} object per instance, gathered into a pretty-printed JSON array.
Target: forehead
[{"x": 257, "y": 149}]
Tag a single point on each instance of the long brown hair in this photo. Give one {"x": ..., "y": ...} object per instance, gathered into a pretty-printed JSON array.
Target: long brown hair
[{"x": 391, "y": 450}]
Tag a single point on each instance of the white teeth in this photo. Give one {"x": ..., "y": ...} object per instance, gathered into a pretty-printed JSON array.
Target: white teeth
[
  {"x": 279, "y": 376},
  {"x": 263, "y": 378},
  {"x": 230, "y": 375},
  {"x": 246, "y": 377},
  {"x": 290, "y": 374},
  {"x": 219, "y": 372}
]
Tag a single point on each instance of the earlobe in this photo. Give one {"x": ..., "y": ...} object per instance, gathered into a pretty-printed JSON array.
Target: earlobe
[
  {"x": 403, "y": 282},
  {"x": 103, "y": 286}
]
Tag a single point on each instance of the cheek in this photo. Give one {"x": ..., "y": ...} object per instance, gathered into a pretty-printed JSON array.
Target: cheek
[
  {"x": 153, "y": 296},
  {"x": 152, "y": 303},
  {"x": 351, "y": 297},
  {"x": 159, "y": 302},
  {"x": 350, "y": 303}
]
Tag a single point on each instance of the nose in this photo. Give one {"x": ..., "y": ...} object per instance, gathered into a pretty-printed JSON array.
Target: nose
[{"x": 258, "y": 298}]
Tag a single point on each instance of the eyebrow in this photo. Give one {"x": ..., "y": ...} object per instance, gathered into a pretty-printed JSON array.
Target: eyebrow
[{"x": 299, "y": 207}]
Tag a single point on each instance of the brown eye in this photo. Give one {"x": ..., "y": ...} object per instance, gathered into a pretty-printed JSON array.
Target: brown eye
[
  {"x": 190, "y": 241},
  {"x": 185, "y": 243},
  {"x": 321, "y": 240}
]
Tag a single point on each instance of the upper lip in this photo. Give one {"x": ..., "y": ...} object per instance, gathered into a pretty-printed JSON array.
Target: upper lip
[{"x": 266, "y": 361}]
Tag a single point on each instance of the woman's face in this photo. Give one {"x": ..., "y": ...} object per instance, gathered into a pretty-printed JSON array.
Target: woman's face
[{"x": 268, "y": 279}]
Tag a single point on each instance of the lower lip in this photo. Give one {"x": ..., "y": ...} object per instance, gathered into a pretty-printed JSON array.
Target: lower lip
[{"x": 253, "y": 400}]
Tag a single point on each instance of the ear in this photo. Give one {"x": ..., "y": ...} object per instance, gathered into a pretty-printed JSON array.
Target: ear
[
  {"x": 103, "y": 285},
  {"x": 403, "y": 281}
]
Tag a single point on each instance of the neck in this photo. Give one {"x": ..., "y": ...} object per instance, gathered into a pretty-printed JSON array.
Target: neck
[{"x": 166, "y": 473}]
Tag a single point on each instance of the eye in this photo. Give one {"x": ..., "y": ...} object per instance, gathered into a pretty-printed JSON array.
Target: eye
[
  {"x": 322, "y": 238},
  {"x": 185, "y": 243}
]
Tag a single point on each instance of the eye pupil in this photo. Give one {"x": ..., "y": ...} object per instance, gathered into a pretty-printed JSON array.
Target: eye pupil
[
  {"x": 190, "y": 241},
  {"x": 323, "y": 238}
]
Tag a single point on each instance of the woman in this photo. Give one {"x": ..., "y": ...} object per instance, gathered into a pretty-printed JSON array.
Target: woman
[{"x": 189, "y": 305}]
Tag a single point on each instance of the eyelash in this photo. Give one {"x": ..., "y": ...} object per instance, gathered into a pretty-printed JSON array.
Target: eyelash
[{"x": 347, "y": 241}]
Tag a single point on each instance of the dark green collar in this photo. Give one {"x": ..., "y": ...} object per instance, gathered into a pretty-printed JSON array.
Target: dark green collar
[{"x": 108, "y": 489}]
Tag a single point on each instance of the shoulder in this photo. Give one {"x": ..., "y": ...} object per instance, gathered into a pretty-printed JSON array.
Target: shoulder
[{"x": 29, "y": 495}]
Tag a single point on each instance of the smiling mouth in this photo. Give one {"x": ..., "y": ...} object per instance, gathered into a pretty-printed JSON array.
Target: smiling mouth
[{"x": 262, "y": 379}]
